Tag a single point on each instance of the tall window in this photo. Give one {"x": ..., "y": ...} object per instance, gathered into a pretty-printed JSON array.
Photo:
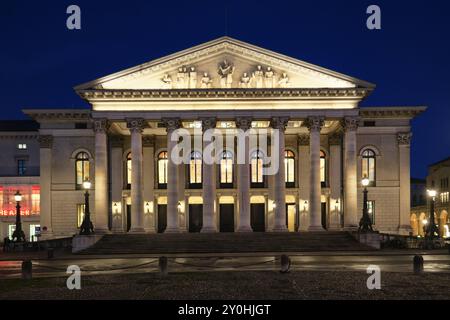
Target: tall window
[
  {"x": 289, "y": 168},
  {"x": 129, "y": 170},
  {"x": 256, "y": 163},
  {"x": 323, "y": 169},
  {"x": 82, "y": 168},
  {"x": 21, "y": 167},
  {"x": 226, "y": 169},
  {"x": 162, "y": 169},
  {"x": 368, "y": 165},
  {"x": 195, "y": 170}
]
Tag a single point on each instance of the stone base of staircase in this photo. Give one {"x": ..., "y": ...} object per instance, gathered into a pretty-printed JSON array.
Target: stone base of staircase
[{"x": 225, "y": 243}]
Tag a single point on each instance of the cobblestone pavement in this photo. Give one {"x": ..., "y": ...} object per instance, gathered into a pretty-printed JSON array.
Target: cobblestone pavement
[{"x": 234, "y": 285}]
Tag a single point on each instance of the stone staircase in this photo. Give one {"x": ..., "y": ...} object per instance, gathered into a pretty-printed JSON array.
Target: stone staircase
[{"x": 225, "y": 243}]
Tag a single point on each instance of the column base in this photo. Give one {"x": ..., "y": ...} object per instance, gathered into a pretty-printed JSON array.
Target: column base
[
  {"x": 136, "y": 230},
  {"x": 335, "y": 228},
  {"x": 208, "y": 230},
  {"x": 279, "y": 229},
  {"x": 244, "y": 229},
  {"x": 149, "y": 230},
  {"x": 316, "y": 228}
]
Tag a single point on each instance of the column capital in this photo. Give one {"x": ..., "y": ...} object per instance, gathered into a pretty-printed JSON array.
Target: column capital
[
  {"x": 101, "y": 125},
  {"x": 314, "y": 123},
  {"x": 303, "y": 139},
  {"x": 171, "y": 124},
  {"x": 335, "y": 138},
  {"x": 208, "y": 123},
  {"x": 45, "y": 141},
  {"x": 148, "y": 141},
  {"x": 244, "y": 123},
  {"x": 136, "y": 124},
  {"x": 279, "y": 123},
  {"x": 404, "y": 138},
  {"x": 116, "y": 141},
  {"x": 350, "y": 123}
]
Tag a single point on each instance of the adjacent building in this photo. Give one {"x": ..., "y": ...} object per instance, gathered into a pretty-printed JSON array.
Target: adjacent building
[
  {"x": 437, "y": 179},
  {"x": 326, "y": 144}
]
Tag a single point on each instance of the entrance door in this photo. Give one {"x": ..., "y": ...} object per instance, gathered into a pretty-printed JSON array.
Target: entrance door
[
  {"x": 195, "y": 217},
  {"x": 324, "y": 214},
  {"x": 227, "y": 218},
  {"x": 162, "y": 217},
  {"x": 291, "y": 217},
  {"x": 257, "y": 217},
  {"x": 128, "y": 217}
]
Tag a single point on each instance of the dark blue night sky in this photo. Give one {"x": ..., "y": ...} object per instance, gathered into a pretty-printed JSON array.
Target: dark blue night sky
[{"x": 41, "y": 60}]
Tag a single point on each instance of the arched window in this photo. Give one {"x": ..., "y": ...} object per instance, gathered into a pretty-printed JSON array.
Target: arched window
[
  {"x": 368, "y": 165},
  {"x": 289, "y": 168},
  {"x": 195, "y": 170},
  {"x": 162, "y": 169},
  {"x": 81, "y": 168},
  {"x": 226, "y": 169},
  {"x": 129, "y": 170},
  {"x": 323, "y": 169},
  {"x": 257, "y": 178}
]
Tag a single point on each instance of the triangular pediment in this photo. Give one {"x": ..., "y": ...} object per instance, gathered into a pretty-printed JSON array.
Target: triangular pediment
[{"x": 225, "y": 63}]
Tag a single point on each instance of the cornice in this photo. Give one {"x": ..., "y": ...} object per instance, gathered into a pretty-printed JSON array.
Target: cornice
[
  {"x": 58, "y": 114},
  {"x": 12, "y": 135},
  {"x": 222, "y": 94},
  {"x": 391, "y": 112}
]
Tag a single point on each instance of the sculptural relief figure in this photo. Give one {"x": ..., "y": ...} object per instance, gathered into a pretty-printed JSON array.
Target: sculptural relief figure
[
  {"x": 206, "y": 81},
  {"x": 180, "y": 79},
  {"x": 258, "y": 77},
  {"x": 186, "y": 77},
  {"x": 192, "y": 78},
  {"x": 283, "y": 82},
  {"x": 245, "y": 81},
  {"x": 269, "y": 77},
  {"x": 166, "y": 82},
  {"x": 226, "y": 74}
]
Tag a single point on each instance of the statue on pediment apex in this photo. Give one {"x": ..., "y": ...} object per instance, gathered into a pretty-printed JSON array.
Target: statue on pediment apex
[
  {"x": 269, "y": 77},
  {"x": 166, "y": 82},
  {"x": 226, "y": 71},
  {"x": 245, "y": 81},
  {"x": 258, "y": 77},
  {"x": 283, "y": 82},
  {"x": 206, "y": 81},
  {"x": 192, "y": 78}
]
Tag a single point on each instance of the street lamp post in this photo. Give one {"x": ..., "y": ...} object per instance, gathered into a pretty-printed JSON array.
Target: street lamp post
[
  {"x": 86, "y": 227},
  {"x": 365, "y": 224},
  {"x": 18, "y": 234},
  {"x": 431, "y": 231}
]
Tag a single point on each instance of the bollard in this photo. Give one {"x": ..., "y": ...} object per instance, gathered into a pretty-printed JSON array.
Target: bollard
[
  {"x": 50, "y": 253},
  {"x": 285, "y": 264},
  {"x": 163, "y": 266},
  {"x": 27, "y": 270},
  {"x": 418, "y": 264}
]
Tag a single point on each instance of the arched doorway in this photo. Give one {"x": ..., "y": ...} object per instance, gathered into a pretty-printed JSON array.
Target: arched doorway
[
  {"x": 422, "y": 223},
  {"x": 414, "y": 225},
  {"x": 443, "y": 225}
]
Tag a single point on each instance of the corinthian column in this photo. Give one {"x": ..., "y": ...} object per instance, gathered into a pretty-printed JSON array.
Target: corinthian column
[
  {"x": 314, "y": 125},
  {"x": 136, "y": 127},
  {"x": 209, "y": 186},
  {"x": 46, "y": 143},
  {"x": 171, "y": 125},
  {"x": 350, "y": 125},
  {"x": 244, "y": 178},
  {"x": 101, "y": 176},
  {"x": 279, "y": 178},
  {"x": 404, "y": 140}
]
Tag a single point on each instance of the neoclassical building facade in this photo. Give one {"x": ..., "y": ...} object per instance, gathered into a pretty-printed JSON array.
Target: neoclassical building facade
[{"x": 123, "y": 145}]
